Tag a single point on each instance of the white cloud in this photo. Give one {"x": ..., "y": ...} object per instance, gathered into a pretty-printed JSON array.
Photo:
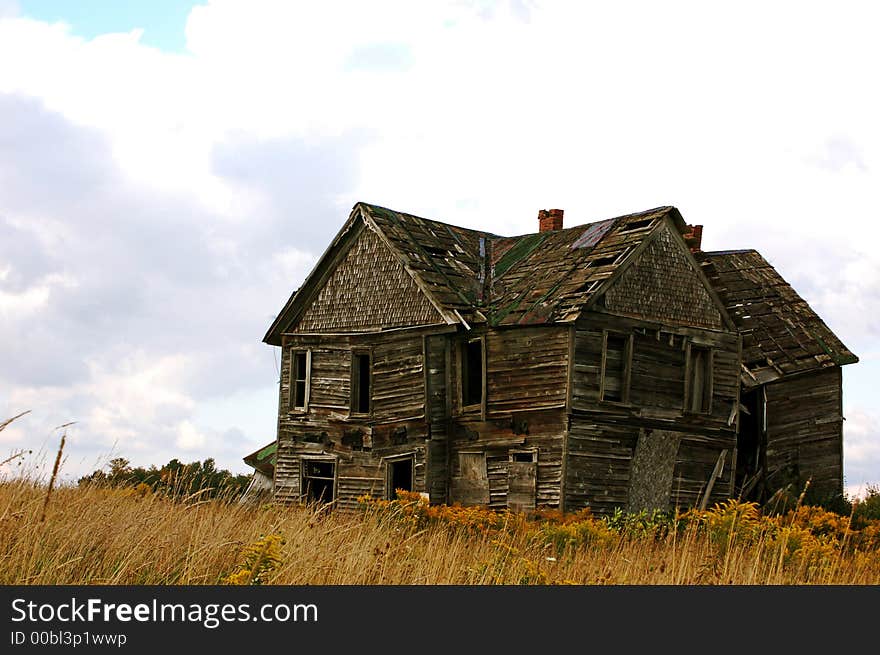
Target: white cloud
[{"x": 189, "y": 438}]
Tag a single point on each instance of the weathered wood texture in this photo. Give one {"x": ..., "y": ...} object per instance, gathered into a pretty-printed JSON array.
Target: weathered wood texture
[
  {"x": 656, "y": 398},
  {"x": 397, "y": 424},
  {"x": 437, "y": 352},
  {"x": 662, "y": 285},
  {"x": 694, "y": 464},
  {"x": 527, "y": 369},
  {"x": 495, "y": 439},
  {"x": 618, "y": 466},
  {"x": 804, "y": 432},
  {"x": 597, "y": 473},
  {"x": 782, "y": 335},
  {"x": 369, "y": 288}
]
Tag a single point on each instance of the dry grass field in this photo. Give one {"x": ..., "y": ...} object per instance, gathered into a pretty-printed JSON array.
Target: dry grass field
[{"x": 113, "y": 536}]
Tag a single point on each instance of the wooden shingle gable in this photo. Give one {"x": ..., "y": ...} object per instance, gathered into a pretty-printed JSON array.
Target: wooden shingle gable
[
  {"x": 345, "y": 276},
  {"x": 661, "y": 280}
]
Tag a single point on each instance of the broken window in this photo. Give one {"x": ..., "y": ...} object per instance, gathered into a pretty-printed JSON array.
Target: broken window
[
  {"x": 399, "y": 475},
  {"x": 361, "y": 374},
  {"x": 300, "y": 378},
  {"x": 698, "y": 381},
  {"x": 318, "y": 480},
  {"x": 472, "y": 372},
  {"x": 616, "y": 365},
  {"x": 637, "y": 225}
]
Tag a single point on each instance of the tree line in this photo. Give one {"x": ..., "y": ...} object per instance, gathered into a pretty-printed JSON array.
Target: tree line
[{"x": 174, "y": 479}]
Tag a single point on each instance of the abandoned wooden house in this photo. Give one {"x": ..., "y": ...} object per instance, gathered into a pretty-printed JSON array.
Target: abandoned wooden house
[{"x": 608, "y": 365}]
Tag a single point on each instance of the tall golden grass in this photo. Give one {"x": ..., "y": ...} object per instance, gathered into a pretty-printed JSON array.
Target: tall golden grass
[{"x": 94, "y": 535}]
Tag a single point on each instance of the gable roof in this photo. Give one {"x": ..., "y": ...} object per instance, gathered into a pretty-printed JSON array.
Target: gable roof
[
  {"x": 548, "y": 277},
  {"x": 781, "y": 333},
  {"x": 473, "y": 276}
]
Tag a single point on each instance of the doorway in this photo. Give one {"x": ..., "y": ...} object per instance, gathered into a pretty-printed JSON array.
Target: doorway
[
  {"x": 399, "y": 475},
  {"x": 751, "y": 445}
]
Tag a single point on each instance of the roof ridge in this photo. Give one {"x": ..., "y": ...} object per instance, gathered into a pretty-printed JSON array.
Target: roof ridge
[{"x": 371, "y": 206}]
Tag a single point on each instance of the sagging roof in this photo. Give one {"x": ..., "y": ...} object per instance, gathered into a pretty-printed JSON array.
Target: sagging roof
[
  {"x": 781, "y": 333},
  {"x": 448, "y": 259},
  {"x": 474, "y": 277},
  {"x": 263, "y": 460},
  {"x": 480, "y": 277},
  {"x": 548, "y": 277}
]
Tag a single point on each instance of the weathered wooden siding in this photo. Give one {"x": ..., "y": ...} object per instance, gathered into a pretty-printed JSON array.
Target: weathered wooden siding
[
  {"x": 804, "y": 432},
  {"x": 360, "y": 445},
  {"x": 438, "y": 353},
  {"x": 604, "y": 436},
  {"x": 662, "y": 285},
  {"x": 526, "y": 382},
  {"x": 657, "y": 375},
  {"x": 598, "y": 466},
  {"x": 696, "y": 459},
  {"x": 543, "y": 430},
  {"x": 604, "y": 473},
  {"x": 527, "y": 369},
  {"x": 368, "y": 288}
]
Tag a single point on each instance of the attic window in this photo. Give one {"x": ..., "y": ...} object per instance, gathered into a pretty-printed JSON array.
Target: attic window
[
  {"x": 300, "y": 379},
  {"x": 361, "y": 378},
  {"x": 637, "y": 225}
]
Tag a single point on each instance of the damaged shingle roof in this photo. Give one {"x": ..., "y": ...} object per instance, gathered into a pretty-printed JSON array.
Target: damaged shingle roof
[
  {"x": 781, "y": 333},
  {"x": 544, "y": 277},
  {"x": 550, "y": 277},
  {"x": 446, "y": 258},
  {"x": 547, "y": 277}
]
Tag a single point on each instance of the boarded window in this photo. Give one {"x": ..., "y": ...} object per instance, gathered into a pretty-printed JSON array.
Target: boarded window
[
  {"x": 318, "y": 480},
  {"x": 616, "y": 364},
  {"x": 522, "y": 475},
  {"x": 399, "y": 475},
  {"x": 472, "y": 373},
  {"x": 471, "y": 485},
  {"x": 698, "y": 387},
  {"x": 360, "y": 383},
  {"x": 300, "y": 379}
]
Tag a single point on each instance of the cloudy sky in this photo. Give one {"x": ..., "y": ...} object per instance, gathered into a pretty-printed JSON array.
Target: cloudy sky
[{"x": 170, "y": 171}]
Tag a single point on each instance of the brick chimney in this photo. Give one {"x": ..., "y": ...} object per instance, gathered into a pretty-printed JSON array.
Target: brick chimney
[
  {"x": 550, "y": 219},
  {"x": 694, "y": 237}
]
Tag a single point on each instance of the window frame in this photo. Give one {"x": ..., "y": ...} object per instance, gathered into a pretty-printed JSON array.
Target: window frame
[
  {"x": 389, "y": 462},
  {"x": 354, "y": 383},
  {"x": 627, "y": 357},
  {"x": 462, "y": 370},
  {"x": 292, "y": 407},
  {"x": 531, "y": 452},
  {"x": 325, "y": 459},
  {"x": 708, "y": 382}
]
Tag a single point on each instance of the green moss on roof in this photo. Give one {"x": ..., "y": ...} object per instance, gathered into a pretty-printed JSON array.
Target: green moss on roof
[{"x": 519, "y": 251}]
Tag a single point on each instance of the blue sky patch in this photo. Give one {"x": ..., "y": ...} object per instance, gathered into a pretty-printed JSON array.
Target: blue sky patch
[{"x": 163, "y": 21}]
